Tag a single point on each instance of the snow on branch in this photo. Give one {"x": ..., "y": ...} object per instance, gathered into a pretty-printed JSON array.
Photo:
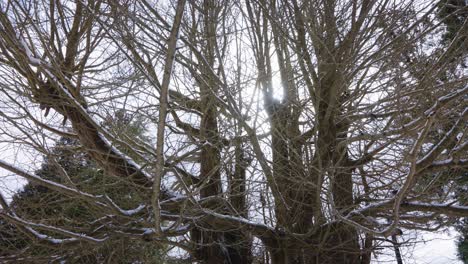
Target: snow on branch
[
  {"x": 30, "y": 225},
  {"x": 49, "y": 184},
  {"x": 447, "y": 208}
]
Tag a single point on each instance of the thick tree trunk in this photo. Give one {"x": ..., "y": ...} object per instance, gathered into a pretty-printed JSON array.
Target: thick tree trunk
[
  {"x": 231, "y": 247},
  {"x": 335, "y": 243},
  {"x": 239, "y": 244},
  {"x": 209, "y": 244},
  {"x": 339, "y": 242}
]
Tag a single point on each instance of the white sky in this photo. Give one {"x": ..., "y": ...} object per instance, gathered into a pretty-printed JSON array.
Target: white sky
[{"x": 432, "y": 248}]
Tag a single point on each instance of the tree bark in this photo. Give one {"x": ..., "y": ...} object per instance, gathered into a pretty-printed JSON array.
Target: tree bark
[{"x": 231, "y": 246}]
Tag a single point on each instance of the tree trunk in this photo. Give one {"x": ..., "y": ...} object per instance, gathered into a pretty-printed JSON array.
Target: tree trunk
[
  {"x": 232, "y": 246},
  {"x": 333, "y": 244}
]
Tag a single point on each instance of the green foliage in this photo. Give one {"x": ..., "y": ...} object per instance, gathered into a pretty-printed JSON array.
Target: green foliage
[
  {"x": 454, "y": 14},
  {"x": 42, "y": 205},
  {"x": 462, "y": 224}
]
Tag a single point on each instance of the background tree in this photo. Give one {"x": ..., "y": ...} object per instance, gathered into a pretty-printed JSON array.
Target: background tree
[
  {"x": 68, "y": 163},
  {"x": 286, "y": 131},
  {"x": 462, "y": 223},
  {"x": 454, "y": 15}
]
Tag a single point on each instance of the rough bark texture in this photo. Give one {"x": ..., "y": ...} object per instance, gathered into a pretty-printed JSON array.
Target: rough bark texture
[{"x": 213, "y": 247}]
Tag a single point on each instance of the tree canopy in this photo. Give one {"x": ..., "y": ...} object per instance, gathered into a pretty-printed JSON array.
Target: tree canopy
[{"x": 269, "y": 131}]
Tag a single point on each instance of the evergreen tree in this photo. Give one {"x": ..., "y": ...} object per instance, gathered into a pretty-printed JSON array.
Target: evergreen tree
[
  {"x": 454, "y": 14},
  {"x": 68, "y": 164},
  {"x": 462, "y": 224}
]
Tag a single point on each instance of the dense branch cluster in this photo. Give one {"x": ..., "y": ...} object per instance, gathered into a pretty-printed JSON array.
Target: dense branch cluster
[{"x": 256, "y": 131}]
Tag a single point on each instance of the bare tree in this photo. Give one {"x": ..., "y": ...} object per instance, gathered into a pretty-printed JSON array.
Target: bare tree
[{"x": 286, "y": 131}]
